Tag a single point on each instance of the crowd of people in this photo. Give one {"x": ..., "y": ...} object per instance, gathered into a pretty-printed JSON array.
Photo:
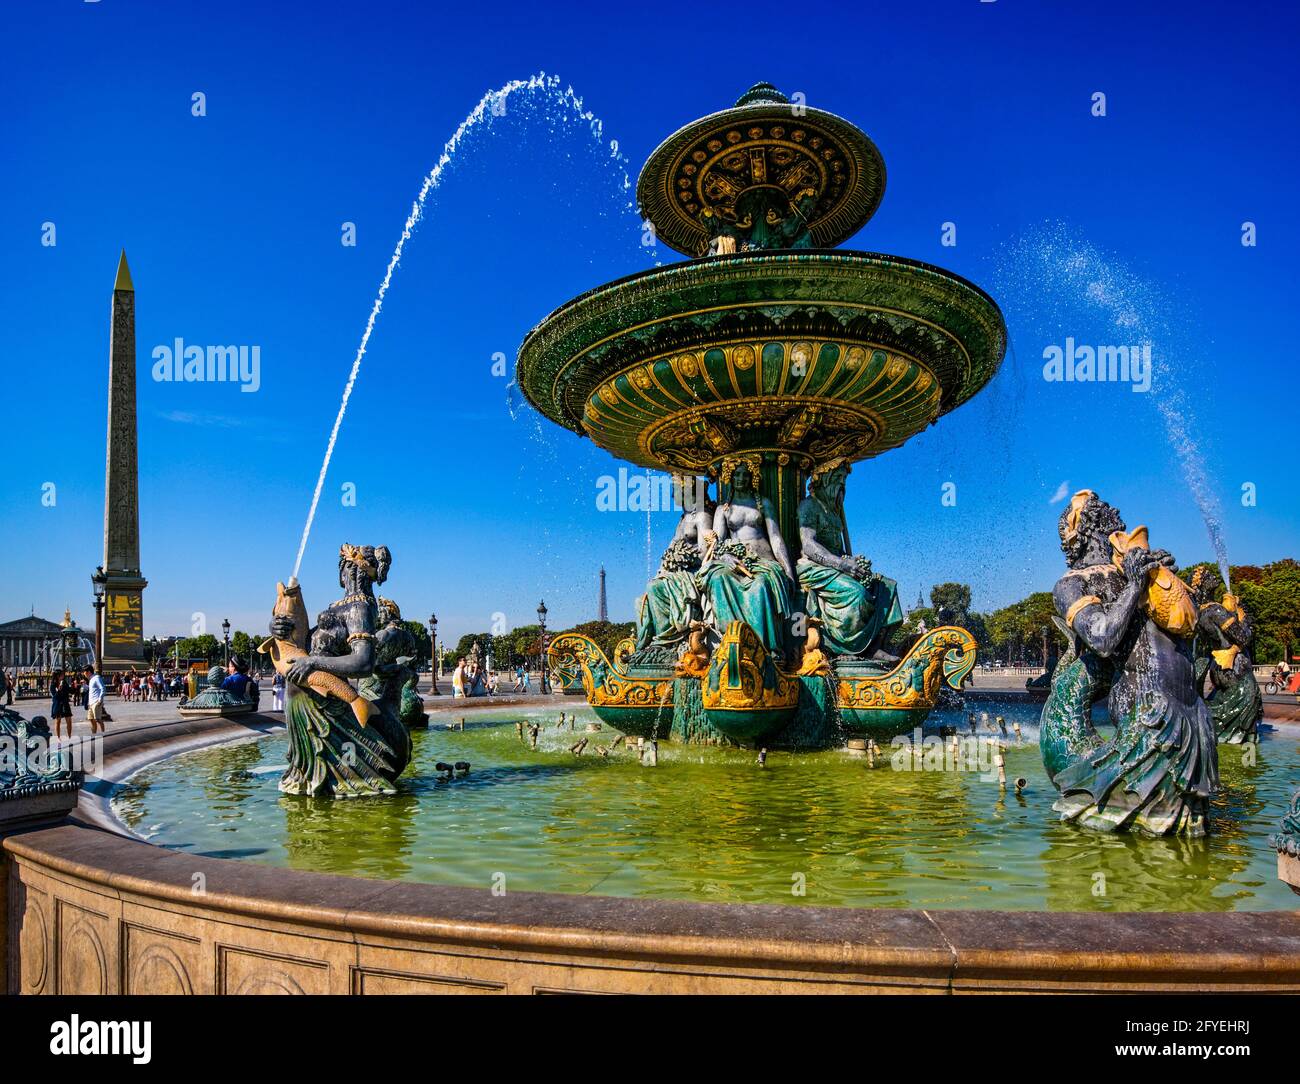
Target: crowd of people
[{"x": 470, "y": 679}]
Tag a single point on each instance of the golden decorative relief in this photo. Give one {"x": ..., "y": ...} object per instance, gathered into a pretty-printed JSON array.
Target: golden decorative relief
[
  {"x": 688, "y": 432},
  {"x": 605, "y": 683},
  {"x": 744, "y": 677},
  {"x": 945, "y": 654}
]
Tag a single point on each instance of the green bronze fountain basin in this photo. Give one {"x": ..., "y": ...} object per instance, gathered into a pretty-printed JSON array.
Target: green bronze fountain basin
[{"x": 813, "y": 353}]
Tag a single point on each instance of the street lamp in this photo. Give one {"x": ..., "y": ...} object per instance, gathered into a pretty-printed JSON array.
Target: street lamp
[
  {"x": 541, "y": 621},
  {"x": 433, "y": 653},
  {"x": 97, "y": 583},
  {"x": 225, "y": 633}
]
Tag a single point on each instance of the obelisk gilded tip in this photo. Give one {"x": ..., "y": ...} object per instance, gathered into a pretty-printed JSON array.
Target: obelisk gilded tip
[{"x": 123, "y": 275}]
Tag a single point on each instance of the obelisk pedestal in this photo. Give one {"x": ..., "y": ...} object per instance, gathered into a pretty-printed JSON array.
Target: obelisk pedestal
[{"x": 123, "y": 647}]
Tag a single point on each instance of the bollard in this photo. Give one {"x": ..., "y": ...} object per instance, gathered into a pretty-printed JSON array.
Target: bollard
[
  {"x": 856, "y": 747},
  {"x": 577, "y": 747},
  {"x": 1000, "y": 762},
  {"x": 519, "y": 729},
  {"x": 871, "y": 752},
  {"x": 618, "y": 741},
  {"x": 649, "y": 754},
  {"x": 1016, "y": 727},
  {"x": 533, "y": 731},
  {"x": 956, "y": 753}
]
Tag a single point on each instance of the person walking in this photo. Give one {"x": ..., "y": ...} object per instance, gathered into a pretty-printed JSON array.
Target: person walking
[
  {"x": 60, "y": 703},
  {"x": 277, "y": 692},
  {"x": 95, "y": 712}
]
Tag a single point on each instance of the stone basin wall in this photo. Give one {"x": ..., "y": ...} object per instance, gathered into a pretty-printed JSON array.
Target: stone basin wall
[{"x": 89, "y": 910}]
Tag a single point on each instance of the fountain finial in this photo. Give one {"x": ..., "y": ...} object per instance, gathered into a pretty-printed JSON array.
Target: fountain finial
[{"x": 762, "y": 94}]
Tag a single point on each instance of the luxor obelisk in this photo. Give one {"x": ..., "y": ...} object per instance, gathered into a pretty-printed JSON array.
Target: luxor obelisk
[{"x": 120, "y": 573}]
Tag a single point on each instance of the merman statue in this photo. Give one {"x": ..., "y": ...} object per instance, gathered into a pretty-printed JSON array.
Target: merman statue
[
  {"x": 332, "y": 753},
  {"x": 1223, "y": 637},
  {"x": 857, "y": 609},
  {"x": 747, "y": 574},
  {"x": 1129, "y": 622},
  {"x": 394, "y": 676},
  {"x": 672, "y": 599}
]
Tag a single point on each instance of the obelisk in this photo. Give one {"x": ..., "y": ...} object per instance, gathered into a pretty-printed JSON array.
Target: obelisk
[
  {"x": 602, "y": 610},
  {"x": 123, "y": 584}
]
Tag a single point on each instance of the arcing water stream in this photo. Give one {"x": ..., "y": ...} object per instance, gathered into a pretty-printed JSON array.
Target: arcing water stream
[
  {"x": 491, "y": 105},
  {"x": 1063, "y": 266}
]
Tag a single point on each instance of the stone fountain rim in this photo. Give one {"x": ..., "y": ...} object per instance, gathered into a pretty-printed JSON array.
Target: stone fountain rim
[{"x": 599, "y": 941}]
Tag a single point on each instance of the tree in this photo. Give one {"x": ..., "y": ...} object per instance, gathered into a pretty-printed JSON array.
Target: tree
[
  {"x": 423, "y": 644},
  {"x": 951, "y": 603},
  {"x": 606, "y": 634}
]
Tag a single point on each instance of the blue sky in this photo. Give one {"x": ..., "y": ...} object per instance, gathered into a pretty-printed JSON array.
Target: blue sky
[{"x": 325, "y": 113}]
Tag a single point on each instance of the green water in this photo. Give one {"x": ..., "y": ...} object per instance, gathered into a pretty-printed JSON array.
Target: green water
[{"x": 709, "y": 824}]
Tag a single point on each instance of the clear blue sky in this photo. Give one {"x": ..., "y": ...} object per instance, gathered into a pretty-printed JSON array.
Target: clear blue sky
[{"x": 325, "y": 112}]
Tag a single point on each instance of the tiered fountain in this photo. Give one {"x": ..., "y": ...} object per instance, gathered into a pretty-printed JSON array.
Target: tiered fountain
[{"x": 766, "y": 364}]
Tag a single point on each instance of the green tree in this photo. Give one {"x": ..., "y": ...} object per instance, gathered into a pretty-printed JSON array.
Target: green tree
[
  {"x": 606, "y": 634},
  {"x": 951, "y": 603}
]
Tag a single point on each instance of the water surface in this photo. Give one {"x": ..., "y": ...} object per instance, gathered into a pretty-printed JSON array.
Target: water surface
[{"x": 709, "y": 824}]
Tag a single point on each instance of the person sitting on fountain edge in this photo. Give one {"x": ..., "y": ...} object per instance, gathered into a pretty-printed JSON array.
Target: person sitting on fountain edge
[
  {"x": 236, "y": 681},
  {"x": 857, "y": 608}
]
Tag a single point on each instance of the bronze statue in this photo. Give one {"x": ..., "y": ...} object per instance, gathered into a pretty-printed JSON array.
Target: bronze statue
[
  {"x": 857, "y": 608},
  {"x": 747, "y": 573},
  {"x": 1223, "y": 637},
  {"x": 332, "y": 751},
  {"x": 1126, "y": 616}
]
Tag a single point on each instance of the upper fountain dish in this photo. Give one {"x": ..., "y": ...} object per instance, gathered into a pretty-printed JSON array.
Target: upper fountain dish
[
  {"x": 766, "y": 174},
  {"x": 766, "y": 343}
]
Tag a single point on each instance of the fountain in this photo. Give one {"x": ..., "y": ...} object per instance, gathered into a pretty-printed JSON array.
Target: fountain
[{"x": 767, "y": 364}]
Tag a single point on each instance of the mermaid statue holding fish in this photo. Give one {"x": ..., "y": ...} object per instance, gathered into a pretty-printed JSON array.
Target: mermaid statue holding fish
[
  {"x": 1129, "y": 622},
  {"x": 343, "y": 742}
]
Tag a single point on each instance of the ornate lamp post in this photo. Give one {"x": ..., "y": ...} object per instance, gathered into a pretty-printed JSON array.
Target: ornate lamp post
[
  {"x": 541, "y": 621},
  {"x": 225, "y": 635},
  {"x": 433, "y": 653},
  {"x": 1044, "y": 649},
  {"x": 97, "y": 583}
]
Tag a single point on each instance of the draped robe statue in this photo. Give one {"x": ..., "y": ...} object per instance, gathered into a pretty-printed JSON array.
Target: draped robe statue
[
  {"x": 857, "y": 608},
  {"x": 672, "y": 598},
  {"x": 748, "y": 576}
]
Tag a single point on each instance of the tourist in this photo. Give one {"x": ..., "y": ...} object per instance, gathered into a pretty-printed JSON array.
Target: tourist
[
  {"x": 60, "y": 703},
  {"x": 458, "y": 679},
  {"x": 520, "y": 677},
  {"x": 277, "y": 692},
  {"x": 236, "y": 680},
  {"x": 95, "y": 712}
]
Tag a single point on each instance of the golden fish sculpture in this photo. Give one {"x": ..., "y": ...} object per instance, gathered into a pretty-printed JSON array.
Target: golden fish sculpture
[
  {"x": 289, "y": 603},
  {"x": 1167, "y": 600}
]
